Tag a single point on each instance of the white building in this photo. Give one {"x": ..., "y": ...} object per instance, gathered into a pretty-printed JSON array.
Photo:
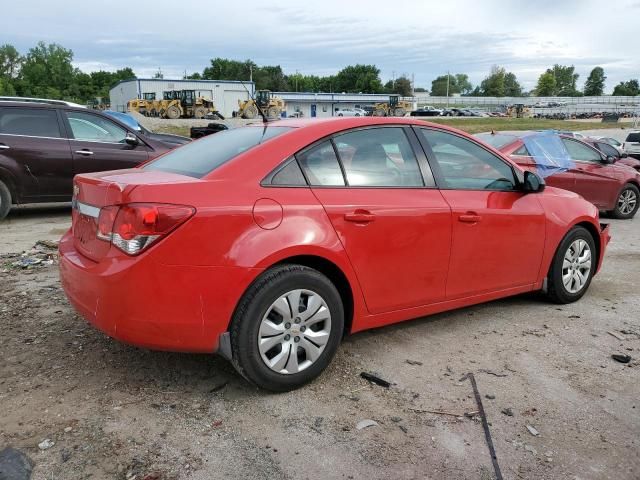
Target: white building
[
  {"x": 326, "y": 104},
  {"x": 224, "y": 93}
]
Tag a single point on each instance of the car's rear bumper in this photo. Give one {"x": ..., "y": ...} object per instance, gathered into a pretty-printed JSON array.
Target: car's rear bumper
[
  {"x": 605, "y": 238},
  {"x": 140, "y": 301}
]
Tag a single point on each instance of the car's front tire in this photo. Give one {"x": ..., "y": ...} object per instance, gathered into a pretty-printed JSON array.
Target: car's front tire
[
  {"x": 627, "y": 203},
  {"x": 287, "y": 327},
  {"x": 5, "y": 200},
  {"x": 573, "y": 267}
]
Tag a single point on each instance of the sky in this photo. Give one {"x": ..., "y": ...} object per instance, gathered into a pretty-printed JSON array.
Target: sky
[{"x": 416, "y": 38}]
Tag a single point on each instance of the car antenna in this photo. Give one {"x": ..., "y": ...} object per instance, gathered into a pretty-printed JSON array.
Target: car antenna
[{"x": 264, "y": 117}]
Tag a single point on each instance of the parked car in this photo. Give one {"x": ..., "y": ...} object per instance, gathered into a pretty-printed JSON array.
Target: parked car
[
  {"x": 43, "y": 144},
  {"x": 609, "y": 186},
  {"x": 632, "y": 144},
  {"x": 199, "y": 132},
  {"x": 427, "y": 111},
  {"x": 351, "y": 112},
  {"x": 609, "y": 150},
  {"x": 130, "y": 121},
  {"x": 265, "y": 243}
]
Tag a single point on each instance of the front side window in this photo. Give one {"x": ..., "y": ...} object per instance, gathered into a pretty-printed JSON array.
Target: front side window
[
  {"x": 464, "y": 165},
  {"x": 378, "y": 157},
  {"x": 92, "y": 128},
  {"x": 321, "y": 166},
  {"x": 578, "y": 151},
  {"x": 32, "y": 122}
]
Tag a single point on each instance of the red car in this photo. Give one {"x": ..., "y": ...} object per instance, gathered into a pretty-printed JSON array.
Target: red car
[
  {"x": 265, "y": 243},
  {"x": 609, "y": 185},
  {"x": 622, "y": 158}
]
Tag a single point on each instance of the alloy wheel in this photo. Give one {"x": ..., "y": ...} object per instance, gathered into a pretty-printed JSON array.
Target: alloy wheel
[
  {"x": 576, "y": 266},
  {"x": 627, "y": 201},
  {"x": 294, "y": 331}
]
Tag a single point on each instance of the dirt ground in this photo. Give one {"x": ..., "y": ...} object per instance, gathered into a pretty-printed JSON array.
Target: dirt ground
[{"x": 117, "y": 412}]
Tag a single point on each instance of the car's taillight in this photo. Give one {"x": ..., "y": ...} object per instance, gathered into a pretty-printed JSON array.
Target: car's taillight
[{"x": 135, "y": 226}]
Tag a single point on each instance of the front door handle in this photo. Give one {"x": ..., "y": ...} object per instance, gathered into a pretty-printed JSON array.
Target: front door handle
[
  {"x": 360, "y": 216},
  {"x": 4, "y": 147},
  {"x": 470, "y": 218},
  {"x": 84, "y": 152}
]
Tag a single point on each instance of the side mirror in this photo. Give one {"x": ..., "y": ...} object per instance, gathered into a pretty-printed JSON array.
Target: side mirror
[
  {"x": 131, "y": 139},
  {"x": 624, "y": 155},
  {"x": 533, "y": 182},
  {"x": 609, "y": 159}
]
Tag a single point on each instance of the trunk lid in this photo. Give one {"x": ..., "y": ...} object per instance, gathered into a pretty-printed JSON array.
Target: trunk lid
[{"x": 93, "y": 191}]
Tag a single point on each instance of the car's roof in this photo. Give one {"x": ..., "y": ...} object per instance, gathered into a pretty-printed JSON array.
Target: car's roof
[
  {"x": 38, "y": 103},
  {"x": 342, "y": 123}
]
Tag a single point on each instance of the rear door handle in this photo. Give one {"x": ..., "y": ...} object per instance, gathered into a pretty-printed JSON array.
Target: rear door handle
[
  {"x": 84, "y": 152},
  {"x": 470, "y": 218},
  {"x": 360, "y": 216}
]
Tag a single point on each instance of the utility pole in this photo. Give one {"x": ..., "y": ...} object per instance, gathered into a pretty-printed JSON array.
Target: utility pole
[
  {"x": 251, "y": 73},
  {"x": 448, "y": 76}
]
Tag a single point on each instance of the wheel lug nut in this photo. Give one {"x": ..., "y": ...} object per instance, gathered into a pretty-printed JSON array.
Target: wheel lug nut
[
  {"x": 296, "y": 339},
  {"x": 297, "y": 320},
  {"x": 287, "y": 336},
  {"x": 303, "y": 328},
  {"x": 287, "y": 325}
]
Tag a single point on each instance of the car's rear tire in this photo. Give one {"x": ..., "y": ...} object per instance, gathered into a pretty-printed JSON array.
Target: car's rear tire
[
  {"x": 573, "y": 267},
  {"x": 627, "y": 203},
  {"x": 5, "y": 200},
  {"x": 266, "y": 330}
]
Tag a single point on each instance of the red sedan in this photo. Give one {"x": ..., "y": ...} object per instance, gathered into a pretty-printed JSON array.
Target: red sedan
[
  {"x": 266, "y": 243},
  {"x": 611, "y": 186}
]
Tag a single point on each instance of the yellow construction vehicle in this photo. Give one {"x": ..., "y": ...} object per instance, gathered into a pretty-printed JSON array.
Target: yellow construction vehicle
[
  {"x": 144, "y": 105},
  {"x": 518, "y": 110},
  {"x": 393, "y": 108},
  {"x": 184, "y": 104},
  {"x": 270, "y": 105}
]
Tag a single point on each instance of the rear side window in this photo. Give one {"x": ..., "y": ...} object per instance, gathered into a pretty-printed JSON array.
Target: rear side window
[
  {"x": 32, "y": 122},
  {"x": 522, "y": 151},
  {"x": 378, "y": 157},
  {"x": 289, "y": 175},
  {"x": 633, "y": 137},
  {"x": 197, "y": 159},
  {"x": 321, "y": 166}
]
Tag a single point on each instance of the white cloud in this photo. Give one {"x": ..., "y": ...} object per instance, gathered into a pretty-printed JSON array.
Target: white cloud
[{"x": 425, "y": 38}]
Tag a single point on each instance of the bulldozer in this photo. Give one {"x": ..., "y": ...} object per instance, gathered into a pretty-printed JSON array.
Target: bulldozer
[
  {"x": 393, "y": 108},
  {"x": 270, "y": 105},
  {"x": 144, "y": 105},
  {"x": 518, "y": 110},
  {"x": 184, "y": 104}
]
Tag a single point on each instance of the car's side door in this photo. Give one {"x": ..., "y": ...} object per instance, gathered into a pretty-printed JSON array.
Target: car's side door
[
  {"x": 99, "y": 144},
  {"x": 395, "y": 226},
  {"x": 498, "y": 230},
  {"x": 595, "y": 180},
  {"x": 34, "y": 150}
]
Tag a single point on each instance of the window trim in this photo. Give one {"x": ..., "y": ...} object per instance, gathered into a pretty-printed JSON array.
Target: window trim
[
  {"x": 440, "y": 180},
  {"x": 65, "y": 116},
  {"x": 414, "y": 143},
  {"x": 61, "y": 127}
]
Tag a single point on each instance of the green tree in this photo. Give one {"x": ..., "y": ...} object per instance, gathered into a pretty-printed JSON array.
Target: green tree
[
  {"x": 594, "y": 86},
  {"x": 512, "y": 87},
  {"x": 10, "y": 60},
  {"x": 439, "y": 86},
  {"x": 566, "y": 80},
  {"x": 546, "y": 86},
  {"x": 359, "y": 78},
  {"x": 420, "y": 90},
  {"x": 226, "y": 69},
  {"x": 193, "y": 76},
  {"x": 47, "y": 72},
  {"x": 463, "y": 83},
  {"x": 270, "y": 78},
  {"x": 402, "y": 86},
  {"x": 630, "y": 88}
]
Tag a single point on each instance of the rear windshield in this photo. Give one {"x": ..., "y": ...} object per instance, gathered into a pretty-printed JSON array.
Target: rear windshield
[
  {"x": 633, "y": 137},
  {"x": 196, "y": 159},
  {"x": 496, "y": 140}
]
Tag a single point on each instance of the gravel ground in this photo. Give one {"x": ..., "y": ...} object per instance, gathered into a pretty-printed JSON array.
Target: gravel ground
[{"x": 115, "y": 411}]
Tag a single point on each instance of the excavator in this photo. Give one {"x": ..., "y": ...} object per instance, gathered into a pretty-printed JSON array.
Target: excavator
[
  {"x": 393, "y": 108},
  {"x": 271, "y": 105}
]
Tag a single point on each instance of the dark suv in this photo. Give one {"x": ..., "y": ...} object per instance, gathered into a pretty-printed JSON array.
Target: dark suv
[{"x": 44, "y": 143}]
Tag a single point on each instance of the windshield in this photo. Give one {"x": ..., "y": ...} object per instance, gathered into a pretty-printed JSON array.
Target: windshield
[
  {"x": 496, "y": 140},
  {"x": 199, "y": 158}
]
